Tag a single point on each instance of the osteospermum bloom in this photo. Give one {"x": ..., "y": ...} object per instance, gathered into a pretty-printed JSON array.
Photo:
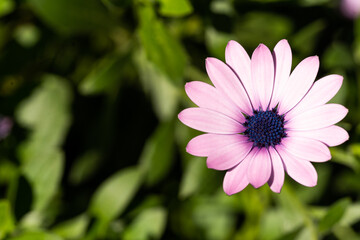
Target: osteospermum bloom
[
  {"x": 261, "y": 121},
  {"x": 350, "y": 8}
]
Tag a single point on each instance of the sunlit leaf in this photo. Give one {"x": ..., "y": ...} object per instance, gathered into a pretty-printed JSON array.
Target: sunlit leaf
[
  {"x": 191, "y": 180},
  {"x": 36, "y": 235},
  {"x": 164, "y": 95},
  {"x": 351, "y": 215},
  {"x": 7, "y": 224},
  {"x": 27, "y": 35},
  {"x": 113, "y": 195},
  {"x": 215, "y": 219},
  {"x": 43, "y": 169},
  {"x": 72, "y": 16},
  {"x": 6, "y": 7},
  {"x": 149, "y": 224},
  {"x": 175, "y": 8},
  {"x": 333, "y": 215},
  {"x": 73, "y": 228},
  {"x": 47, "y": 113},
  {"x": 343, "y": 232}
]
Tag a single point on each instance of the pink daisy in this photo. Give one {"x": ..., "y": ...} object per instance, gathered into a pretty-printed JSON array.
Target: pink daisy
[
  {"x": 350, "y": 8},
  {"x": 261, "y": 121}
]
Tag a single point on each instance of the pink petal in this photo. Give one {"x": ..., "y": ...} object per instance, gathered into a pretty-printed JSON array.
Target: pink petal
[
  {"x": 206, "y": 96},
  {"x": 319, "y": 117},
  {"x": 209, "y": 121},
  {"x": 306, "y": 148},
  {"x": 229, "y": 156},
  {"x": 331, "y": 136},
  {"x": 276, "y": 180},
  {"x": 283, "y": 59},
  {"x": 262, "y": 72},
  {"x": 299, "y": 83},
  {"x": 206, "y": 144},
  {"x": 301, "y": 171},
  {"x": 321, "y": 92},
  {"x": 238, "y": 59},
  {"x": 259, "y": 170},
  {"x": 226, "y": 81},
  {"x": 236, "y": 179}
]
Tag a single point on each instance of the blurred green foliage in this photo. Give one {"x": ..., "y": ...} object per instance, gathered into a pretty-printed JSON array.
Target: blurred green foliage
[{"x": 97, "y": 152}]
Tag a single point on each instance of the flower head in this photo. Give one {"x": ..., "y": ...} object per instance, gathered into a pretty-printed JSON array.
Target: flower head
[
  {"x": 261, "y": 121},
  {"x": 350, "y": 8}
]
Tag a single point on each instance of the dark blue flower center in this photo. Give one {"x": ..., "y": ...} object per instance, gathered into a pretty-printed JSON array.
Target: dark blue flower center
[{"x": 265, "y": 128}]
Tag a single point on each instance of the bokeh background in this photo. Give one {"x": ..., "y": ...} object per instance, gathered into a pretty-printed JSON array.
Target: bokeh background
[{"x": 91, "y": 145}]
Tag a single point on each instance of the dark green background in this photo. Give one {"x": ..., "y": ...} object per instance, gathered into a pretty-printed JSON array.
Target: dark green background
[{"x": 97, "y": 152}]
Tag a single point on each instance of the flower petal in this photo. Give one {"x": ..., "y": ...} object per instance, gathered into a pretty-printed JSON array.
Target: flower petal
[
  {"x": 209, "y": 121},
  {"x": 301, "y": 171},
  {"x": 259, "y": 170},
  {"x": 229, "y": 156},
  {"x": 299, "y": 83},
  {"x": 238, "y": 59},
  {"x": 276, "y": 180},
  {"x": 206, "y": 96},
  {"x": 320, "y": 93},
  {"x": 262, "y": 72},
  {"x": 226, "y": 81},
  {"x": 283, "y": 60},
  {"x": 206, "y": 144},
  {"x": 319, "y": 117},
  {"x": 236, "y": 179},
  {"x": 307, "y": 149},
  {"x": 331, "y": 136}
]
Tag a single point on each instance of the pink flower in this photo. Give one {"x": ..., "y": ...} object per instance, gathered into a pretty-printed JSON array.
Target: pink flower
[
  {"x": 350, "y": 8},
  {"x": 261, "y": 121}
]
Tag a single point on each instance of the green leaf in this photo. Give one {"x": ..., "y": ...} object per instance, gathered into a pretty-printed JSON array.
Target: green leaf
[
  {"x": 175, "y": 8},
  {"x": 345, "y": 233},
  {"x": 190, "y": 182},
  {"x": 84, "y": 166},
  {"x": 47, "y": 113},
  {"x": 6, "y": 219},
  {"x": 36, "y": 235},
  {"x": 351, "y": 215},
  {"x": 149, "y": 224},
  {"x": 105, "y": 76},
  {"x": 335, "y": 52},
  {"x": 27, "y": 35},
  {"x": 214, "y": 218},
  {"x": 163, "y": 93},
  {"x": 346, "y": 158},
  {"x": 216, "y": 42},
  {"x": 6, "y": 7},
  {"x": 157, "y": 156},
  {"x": 161, "y": 48},
  {"x": 72, "y": 229},
  {"x": 73, "y": 16},
  {"x": 334, "y": 214},
  {"x": 113, "y": 195},
  {"x": 43, "y": 170},
  {"x": 261, "y": 27},
  {"x": 309, "y": 35}
]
